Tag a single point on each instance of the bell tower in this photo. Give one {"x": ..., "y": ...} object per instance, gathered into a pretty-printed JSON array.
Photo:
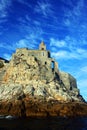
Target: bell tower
[{"x": 42, "y": 46}]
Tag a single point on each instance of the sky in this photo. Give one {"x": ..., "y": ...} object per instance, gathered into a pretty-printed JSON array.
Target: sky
[{"x": 61, "y": 24}]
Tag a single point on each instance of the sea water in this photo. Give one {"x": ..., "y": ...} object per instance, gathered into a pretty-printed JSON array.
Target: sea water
[{"x": 48, "y": 123}]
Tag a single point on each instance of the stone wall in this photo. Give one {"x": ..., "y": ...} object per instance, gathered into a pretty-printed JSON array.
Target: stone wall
[{"x": 42, "y": 55}]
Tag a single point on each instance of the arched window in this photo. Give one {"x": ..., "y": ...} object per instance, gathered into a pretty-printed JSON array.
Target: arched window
[
  {"x": 48, "y": 54},
  {"x": 45, "y": 62},
  {"x": 42, "y": 53},
  {"x": 52, "y": 65},
  {"x": 42, "y": 48}
]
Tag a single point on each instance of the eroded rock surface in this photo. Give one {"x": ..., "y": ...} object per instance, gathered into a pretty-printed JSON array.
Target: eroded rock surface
[{"x": 33, "y": 74}]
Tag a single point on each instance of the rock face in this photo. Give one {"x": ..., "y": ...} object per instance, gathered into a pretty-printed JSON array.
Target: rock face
[{"x": 33, "y": 74}]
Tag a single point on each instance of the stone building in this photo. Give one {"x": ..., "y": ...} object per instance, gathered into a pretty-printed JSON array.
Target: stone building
[{"x": 42, "y": 54}]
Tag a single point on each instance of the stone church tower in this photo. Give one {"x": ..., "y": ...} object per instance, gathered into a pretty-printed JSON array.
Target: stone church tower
[
  {"x": 42, "y": 46},
  {"x": 48, "y": 66}
]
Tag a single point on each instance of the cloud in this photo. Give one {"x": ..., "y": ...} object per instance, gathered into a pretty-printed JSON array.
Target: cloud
[
  {"x": 4, "y": 5},
  {"x": 60, "y": 54},
  {"x": 8, "y": 49},
  {"x": 19, "y": 44},
  {"x": 30, "y": 27},
  {"x": 68, "y": 48},
  {"x": 67, "y": 42},
  {"x": 57, "y": 43},
  {"x": 24, "y": 2},
  {"x": 82, "y": 84},
  {"x": 25, "y": 43},
  {"x": 24, "y": 21},
  {"x": 43, "y": 7},
  {"x": 77, "y": 11},
  {"x": 6, "y": 46},
  {"x": 68, "y": 2},
  {"x": 84, "y": 69},
  {"x": 65, "y": 54},
  {"x": 75, "y": 18},
  {"x": 73, "y": 9},
  {"x": 67, "y": 22},
  {"x": 37, "y": 23},
  {"x": 7, "y": 56},
  {"x": 29, "y": 41},
  {"x": 32, "y": 31}
]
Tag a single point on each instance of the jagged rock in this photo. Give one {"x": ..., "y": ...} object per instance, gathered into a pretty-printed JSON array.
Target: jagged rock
[
  {"x": 10, "y": 92},
  {"x": 68, "y": 80},
  {"x": 33, "y": 76}
]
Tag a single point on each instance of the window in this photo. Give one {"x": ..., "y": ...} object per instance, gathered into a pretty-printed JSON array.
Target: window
[
  {"x": 42, "y": 53},
  {"x": 52, "y": 65},
  {"x": 42, "y": 48},
  {"x": 48, "y": 54},
  {"x": 45, "y": 62}
]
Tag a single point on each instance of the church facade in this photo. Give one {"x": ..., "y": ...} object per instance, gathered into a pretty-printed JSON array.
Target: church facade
[{"x": 41, "y": 54}]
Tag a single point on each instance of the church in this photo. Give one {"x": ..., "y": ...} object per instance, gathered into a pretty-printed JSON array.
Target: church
[{"x": 42, "y": 55}]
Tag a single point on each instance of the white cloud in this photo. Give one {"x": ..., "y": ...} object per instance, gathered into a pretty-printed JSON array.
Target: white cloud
[
  {"x": 65, "y": 54},
  {"x": 57, "y": 43},
  {"x": 21, "y": 1},
  {"x": 21, "y": 43},
  {"x": 24, "y": 2},
  {"x": 67, "y": 22},
  {"x": 32, "y": 34},
  {"x": 37, "y": 23},
  {"x": 68, "y": 2},
  {"x": 4, "y": 4},
  {"x": 7, "y": 56},
  {"x": 43, "y": 7},
  {"x": 69, "y": 48},
  {"x": 82, "y": 85},
  {"x": 78, "y": 8},
  {"x": 10, "y": 48},
  {"x": 24, "y": 43},
  {"x": 30, "y": 41},
  {"x": 68, "y": 42},
  {"x": 6, "y": 46},
  {"x": 59, "y": 54},
  {"x": 84, "y": 69},
  {"x": 32, "y": 29},
  {"x": 75, "y": 18},
  {"x": 80, "y": 50}
]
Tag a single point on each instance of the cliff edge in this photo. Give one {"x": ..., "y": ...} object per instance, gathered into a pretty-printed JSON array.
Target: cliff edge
[{"x": 31, "y": 82}]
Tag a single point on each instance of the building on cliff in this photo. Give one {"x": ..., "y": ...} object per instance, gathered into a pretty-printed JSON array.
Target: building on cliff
[
  {"x": 36, "y": 73},
  {"x": 42, "y": 54}
]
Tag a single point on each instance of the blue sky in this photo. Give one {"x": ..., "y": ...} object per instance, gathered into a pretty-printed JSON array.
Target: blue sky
[{"x": 61, "y": 24}]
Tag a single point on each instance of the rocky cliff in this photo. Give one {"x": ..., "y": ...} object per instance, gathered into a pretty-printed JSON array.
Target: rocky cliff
[{"x": 25, "y": 80}]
